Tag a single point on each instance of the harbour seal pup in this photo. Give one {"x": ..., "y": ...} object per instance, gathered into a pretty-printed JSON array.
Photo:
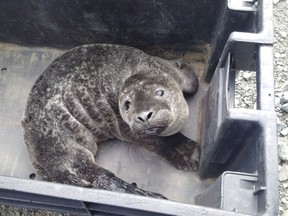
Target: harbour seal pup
[{"x": 93, "y": 93}]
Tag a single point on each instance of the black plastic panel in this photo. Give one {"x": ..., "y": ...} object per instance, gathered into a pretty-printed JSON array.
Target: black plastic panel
[{"x": 136, "y": 23}]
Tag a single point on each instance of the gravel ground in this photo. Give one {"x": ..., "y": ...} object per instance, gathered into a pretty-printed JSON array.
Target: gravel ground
[
  {"x": 281, "y": 96},
  {"x": 245, "y": 83},
  {"x": 14, "y": 211}
]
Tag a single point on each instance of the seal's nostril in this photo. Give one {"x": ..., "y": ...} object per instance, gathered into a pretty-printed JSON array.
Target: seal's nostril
[
  {"x": 149, "y": 115},
  {"x": 144, "y": 116},
  {"x": 141, "y": 119}
]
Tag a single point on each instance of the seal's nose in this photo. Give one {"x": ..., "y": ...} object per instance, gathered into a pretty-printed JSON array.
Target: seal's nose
[{"x": 144, "y": 116}]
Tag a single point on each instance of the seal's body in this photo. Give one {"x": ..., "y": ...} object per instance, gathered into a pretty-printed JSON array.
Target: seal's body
[{"x": 98, "y": 92}]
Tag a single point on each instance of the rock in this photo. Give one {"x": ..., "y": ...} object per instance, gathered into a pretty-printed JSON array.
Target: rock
[
  {"x": 277, "y": 102},
  {"x": 285, "y": 213},
  {"x": 278, "y": 94},
  {"x": 281, "y": 63},
  {"x": 279, "y": 67},
  {"x": 284, "y": 200},
  {"x": 278, "y": 90},
  {"x": 277, "y": 55},
  {"x": 280, "y": 125},
  {"x": 284, "y": 87},
  {"x": 247, "y": 101},
  {"x": 236, "y": 102},
  {"x": 284, "y": 107},
  {"x": 285, "y": 185},
  {"x": 275, "y": 1},
  {"x": 283, "y": 148},
  {"x": 283, "y": 34},
  {"x": 284, "y": 132},
  {"x": 283, "y": 174},
  {"x": 278, "y": 78},
  {"x": 284, "y": 98},
  {"x": 247, "y": 76}
]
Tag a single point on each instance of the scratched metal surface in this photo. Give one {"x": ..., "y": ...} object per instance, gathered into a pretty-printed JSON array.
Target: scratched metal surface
[{"x": 20, "y": 67}]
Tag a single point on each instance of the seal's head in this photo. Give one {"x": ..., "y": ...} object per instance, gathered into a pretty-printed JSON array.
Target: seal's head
[{"x": 153, "y": 105}]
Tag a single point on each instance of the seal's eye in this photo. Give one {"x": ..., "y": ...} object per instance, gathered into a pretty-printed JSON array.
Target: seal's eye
[
  {"x": 159, "y": 92},
  {"x": 127, "y": 105}
]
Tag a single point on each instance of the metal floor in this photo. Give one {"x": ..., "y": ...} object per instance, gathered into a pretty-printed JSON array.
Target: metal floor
[{"x": 20, "y": 67}]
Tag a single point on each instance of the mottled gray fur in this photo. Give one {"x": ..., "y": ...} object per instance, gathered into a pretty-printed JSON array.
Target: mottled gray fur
[{"x": 81, "y": 100}]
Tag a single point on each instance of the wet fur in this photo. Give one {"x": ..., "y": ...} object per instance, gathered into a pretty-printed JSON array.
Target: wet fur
[{"x": 74, "y": 105}]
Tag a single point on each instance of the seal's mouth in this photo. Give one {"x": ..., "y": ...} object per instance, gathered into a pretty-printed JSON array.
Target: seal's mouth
[{"x": 152, "y": 131}]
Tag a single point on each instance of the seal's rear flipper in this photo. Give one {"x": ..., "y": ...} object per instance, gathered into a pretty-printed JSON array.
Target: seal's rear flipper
[
  {"x": 113, "y": 183},
  {"x": 189, "y": 80},
  {"x": 183, "y": 73},
  {"x": 84, "y": 172}
]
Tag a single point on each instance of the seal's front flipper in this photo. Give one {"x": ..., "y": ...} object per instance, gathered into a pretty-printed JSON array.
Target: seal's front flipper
[{"x": 181, "y": 152}]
